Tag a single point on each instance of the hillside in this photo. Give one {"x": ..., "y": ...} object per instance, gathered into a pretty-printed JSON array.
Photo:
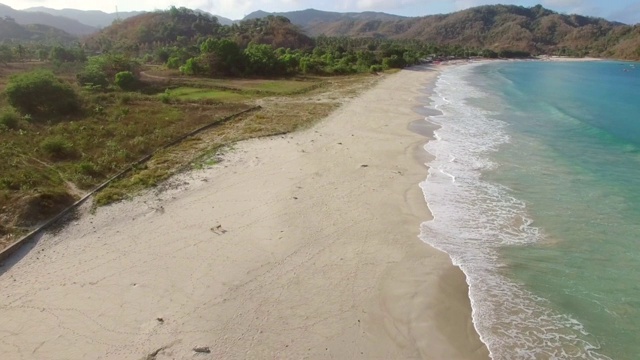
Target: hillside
[
  {"x": 224, "y": 21},
  {"x": 65, "y": 24},
  {"x": 10, "y": 31},
  {"x": 497, "y": 27},
  {"x": 93, "y": 18},
  {"x": 309, "y": 17},
  {"x": 183, "y": 27}
]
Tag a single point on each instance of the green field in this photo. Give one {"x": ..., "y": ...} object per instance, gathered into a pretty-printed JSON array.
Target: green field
[{"x": 193, "y": 94}]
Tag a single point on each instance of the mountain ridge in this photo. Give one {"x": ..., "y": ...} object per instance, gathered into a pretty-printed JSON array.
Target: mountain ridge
[
  {"x": 65, "y": 24},
  {"x": 535, "y": 29},
  {"x": 303, "y": 17},
  {"x": 93, "y": 18},
  {"x": 11, "y": 31}
]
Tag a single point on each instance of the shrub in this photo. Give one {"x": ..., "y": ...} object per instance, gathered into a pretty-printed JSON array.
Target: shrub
[
  {"x": 393, "y": 62},
  {"x": 376, "y": 68},
  {"x": 109, "y": 196},
  {"x": 40, "y": 92},
  {"x": 174, "y": 62},
  {"x": 191, "y": 67},
  {"x": 165, "y": 97},
  {"x": 87, "y": 168},
  {"x": 111, "y": 64},
  {"x": 57, "y": 148},
  {"x": 9, "y": 119},
  {"x": 342, "y": 69},
  {"x": 93, "y": 77},
  {"x": 125, "y": 80}
]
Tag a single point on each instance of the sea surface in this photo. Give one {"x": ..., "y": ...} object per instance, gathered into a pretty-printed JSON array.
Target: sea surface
[{"x": 535, "y": 192}]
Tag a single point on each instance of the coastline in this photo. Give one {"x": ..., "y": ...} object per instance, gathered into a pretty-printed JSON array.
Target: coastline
[{"x": 298, "y": 246}]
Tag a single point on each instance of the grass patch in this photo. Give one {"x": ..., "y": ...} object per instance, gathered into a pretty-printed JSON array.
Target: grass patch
[
  {"x": 195, "y": 94},
  {"x": 248, "y": 87},
  {"x": 281, "y": 87}
]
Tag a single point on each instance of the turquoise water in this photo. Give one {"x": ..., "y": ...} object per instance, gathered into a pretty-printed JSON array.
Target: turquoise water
[{"x": 535, "y": 190}]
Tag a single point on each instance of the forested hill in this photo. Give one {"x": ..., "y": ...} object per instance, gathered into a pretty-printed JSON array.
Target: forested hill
[
  {"x": 307, "y": 18},
  {"x": 185, "y": 27},
  {"x": 497, "y": 27}
]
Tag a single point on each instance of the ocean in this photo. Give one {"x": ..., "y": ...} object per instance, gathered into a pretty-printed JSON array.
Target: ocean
[{"x": 535, "y": 191}]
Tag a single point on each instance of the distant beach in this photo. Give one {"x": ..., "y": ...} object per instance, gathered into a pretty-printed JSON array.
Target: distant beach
[{"x": 297, "y": 246}]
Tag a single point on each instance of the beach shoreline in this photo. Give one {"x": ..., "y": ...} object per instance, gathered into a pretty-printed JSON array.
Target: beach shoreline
[{"x": 297, "y": 246}]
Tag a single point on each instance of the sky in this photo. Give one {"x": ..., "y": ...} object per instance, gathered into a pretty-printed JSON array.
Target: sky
[{"x": 626, "y": 11}]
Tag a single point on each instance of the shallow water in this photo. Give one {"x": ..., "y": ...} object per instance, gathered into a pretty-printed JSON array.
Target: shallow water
[{"x": 535, "y": 192}]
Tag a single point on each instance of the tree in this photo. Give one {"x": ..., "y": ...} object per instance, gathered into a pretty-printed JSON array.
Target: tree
[
  {"x": 63, "y": 54},
  {"x": 261, "y": 60},
  {"x": 6, "y": 55},
  {"x": 21, "y": 52},
  {"x": 191, "y": 67},
  {"x": 40, "y": 92},
  {"x": 222, "y": 57}
]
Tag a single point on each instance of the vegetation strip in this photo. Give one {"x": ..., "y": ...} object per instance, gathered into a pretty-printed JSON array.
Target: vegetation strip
[{"x": 14, "y": 247}]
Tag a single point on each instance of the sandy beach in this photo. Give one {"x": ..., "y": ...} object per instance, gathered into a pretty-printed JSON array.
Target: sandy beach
[{"x": 292, "y": 247}]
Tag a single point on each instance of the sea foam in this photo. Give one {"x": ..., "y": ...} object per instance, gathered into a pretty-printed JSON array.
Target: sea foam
[{"x": 473, "y": 219}]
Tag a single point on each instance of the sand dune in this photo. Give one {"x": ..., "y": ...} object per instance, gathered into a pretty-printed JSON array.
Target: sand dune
[{"x": 299, "y": 246}]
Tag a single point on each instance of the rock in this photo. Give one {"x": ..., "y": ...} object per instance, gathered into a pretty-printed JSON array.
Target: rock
[{"x": 202, "y": 349}]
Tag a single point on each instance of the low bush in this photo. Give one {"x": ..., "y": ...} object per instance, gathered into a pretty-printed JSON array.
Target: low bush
[
  {"x": 40, "y": 92},
  {"x": 125, "y": 80},
  {"x": 57, "y": 148},
  {"x": 87, "y": 168},
  {"x": 9, "y": 119},
  {"x": 93, "y": 78},
  {"x": 376, "y": 69}
]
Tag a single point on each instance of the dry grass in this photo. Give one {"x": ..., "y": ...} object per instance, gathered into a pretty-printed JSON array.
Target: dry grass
[{"x": 118, "y": 129}]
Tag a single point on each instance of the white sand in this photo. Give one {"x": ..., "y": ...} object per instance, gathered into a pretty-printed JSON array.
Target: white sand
[
  {"x": 569, "y": 59},
  {"x": 317, "y": 256}
]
